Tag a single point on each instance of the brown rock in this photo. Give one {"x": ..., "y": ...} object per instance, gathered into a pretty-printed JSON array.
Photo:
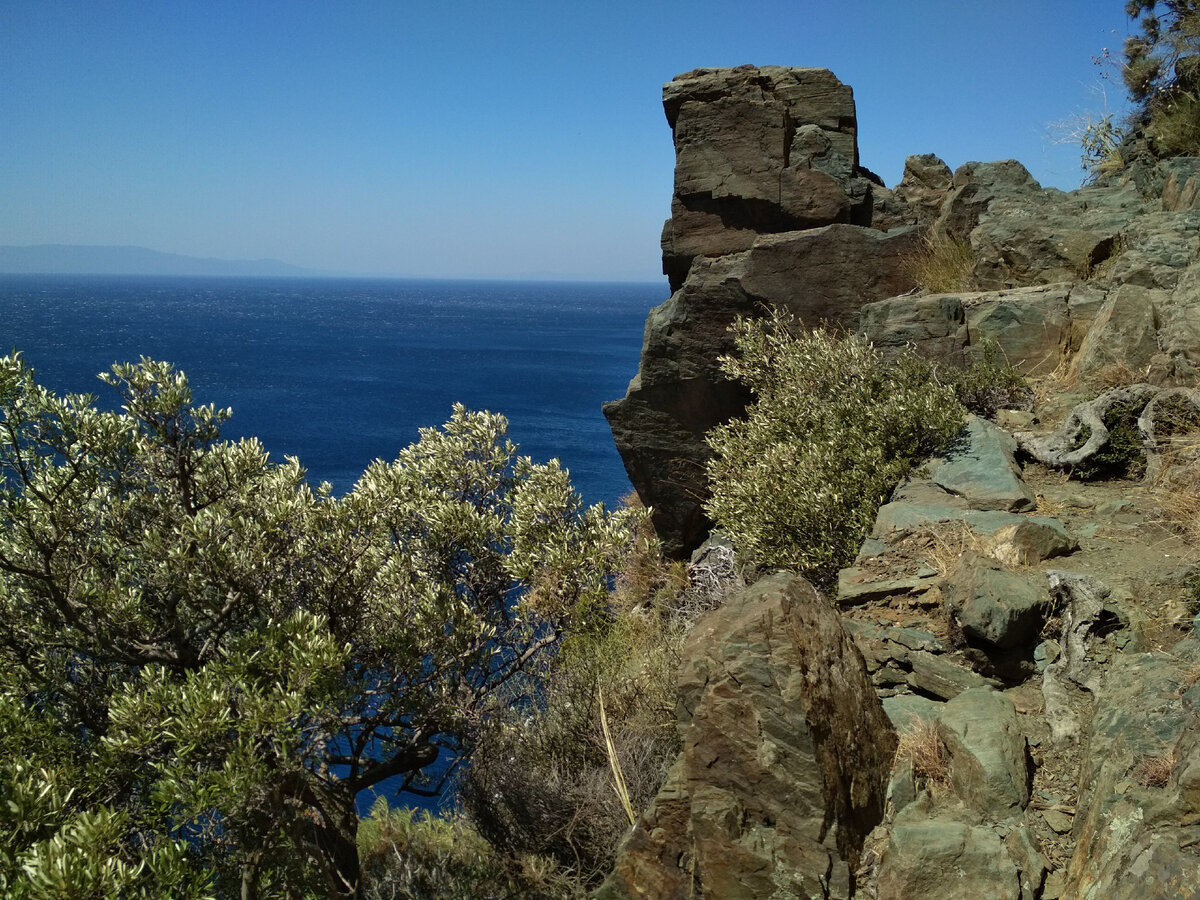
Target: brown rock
[
  {"x": 924, "y": 185},
  {"x": 758, "y": 151},
  {"x": 787, "y": 754},
  {"x": 820, "y": 275}
]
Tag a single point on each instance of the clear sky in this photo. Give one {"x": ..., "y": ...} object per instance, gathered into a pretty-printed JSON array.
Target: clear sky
[{"x": 478, "y": 139}]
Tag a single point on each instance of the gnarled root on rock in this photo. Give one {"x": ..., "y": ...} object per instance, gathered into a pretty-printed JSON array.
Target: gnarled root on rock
[{"x": 1084, "y": 433}]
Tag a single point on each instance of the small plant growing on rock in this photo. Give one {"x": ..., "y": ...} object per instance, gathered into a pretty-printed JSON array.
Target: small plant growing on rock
[
  {"x": 944, "y": 265},
  {"x": 1156, "y": 770},
  {"x": 921, "y": 743},
  {"x": 832, "y": 430}
]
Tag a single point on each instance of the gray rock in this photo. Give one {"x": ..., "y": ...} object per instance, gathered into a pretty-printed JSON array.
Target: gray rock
[
  {"x": 1135, "y": 837},
  {"x": 1002, "y": 608},
  {"x": 940, "y": 859},
  {"x": 989, "y": 761},
  {"x": 857, "y": 586},
  {"x": 904, "y": 709},
  {"x": 982, "y": 471},
  {"x": 1024, "y": 851},
  {"x": 1030, "y": 326},
  {"x": 1040, "y": 236},
  {"x": 1007, "y": 537},
  {"x": 934, "y": 327},
  {"x": 975, "y": 186},
  {"x": 786, "y": 758},
  {"x": 939, "y": 677},
  {"x": 1124, "y": 333}
]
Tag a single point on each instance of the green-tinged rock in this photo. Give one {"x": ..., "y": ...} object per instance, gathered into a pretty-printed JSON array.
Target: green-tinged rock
[
  {"x": 937, "y": 676},
  {"x": 1002, "y": 608},
  {"x": 1030, "y": 326},
  {"x": 785, "y": 763},
  {"x": 981, "y": 470},
  {"x": 905, "y": 709},
  {"x": 988, "y": 755},
  {"x": 938, "y": 859},
  {"x": 857, "y": 586}
]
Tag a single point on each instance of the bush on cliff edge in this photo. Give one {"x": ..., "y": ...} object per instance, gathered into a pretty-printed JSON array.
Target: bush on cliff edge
[{"x": 832, "y": 430}]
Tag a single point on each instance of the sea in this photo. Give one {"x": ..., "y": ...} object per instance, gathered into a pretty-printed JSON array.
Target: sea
[{"x": 340, "y": 372}]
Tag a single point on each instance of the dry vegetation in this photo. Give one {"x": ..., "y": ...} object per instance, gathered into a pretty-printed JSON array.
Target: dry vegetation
[
  {"x": 1155, "y": 771},
  {"x": 944, "y": 265},
  {"x": 921, "y": 743}
]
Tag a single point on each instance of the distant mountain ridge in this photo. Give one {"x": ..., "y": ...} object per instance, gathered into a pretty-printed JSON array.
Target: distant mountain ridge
[{"x": 87, "y": 259}]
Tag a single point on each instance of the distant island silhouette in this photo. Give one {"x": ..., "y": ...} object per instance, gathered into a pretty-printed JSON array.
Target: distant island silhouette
[{"x": 77, "y": 259}]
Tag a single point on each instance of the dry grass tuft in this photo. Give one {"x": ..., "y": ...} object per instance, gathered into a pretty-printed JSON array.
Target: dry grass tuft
[
  {"x": 1115, "y": 375},
  {"x": 1155, "y": 771},
  {"x": 944, "y": 265},
  {"x": 947, "y": 543},
  {"x": 921, "y": 743}
]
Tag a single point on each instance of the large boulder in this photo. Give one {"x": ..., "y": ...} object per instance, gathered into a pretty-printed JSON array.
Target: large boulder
[
  {"x": 769, "y": 209},
  {"x": 758, "y": 151},
  {"x": 822, "y": 275},
  {"x": 785, "y": 761}
]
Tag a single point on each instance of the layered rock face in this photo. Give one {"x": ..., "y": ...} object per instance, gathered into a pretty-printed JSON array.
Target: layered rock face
[
  {"x": 1031, "y": 638},
  {"x": 785, "y": 762},
  {"x": 769, "y": 209}
]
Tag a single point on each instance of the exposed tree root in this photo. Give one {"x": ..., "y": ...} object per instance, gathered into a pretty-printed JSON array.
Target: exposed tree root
[{"x": 1084, "y": 433}]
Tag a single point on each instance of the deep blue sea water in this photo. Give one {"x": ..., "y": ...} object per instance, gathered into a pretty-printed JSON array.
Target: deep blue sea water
[{"x": 339, "y": 372}]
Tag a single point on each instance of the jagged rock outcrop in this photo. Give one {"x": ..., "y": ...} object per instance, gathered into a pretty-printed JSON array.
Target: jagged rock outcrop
[
  {"x": 768, "y": 211},
  {"x": 758, "y": 151},
  {"x": 1090, "y": 280},
  {"x": 1029, "y": 637},
  {"x": 786, "y": 755}
]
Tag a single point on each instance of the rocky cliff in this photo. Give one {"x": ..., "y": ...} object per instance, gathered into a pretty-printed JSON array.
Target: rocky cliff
[{"x": 1025, "y": 638}]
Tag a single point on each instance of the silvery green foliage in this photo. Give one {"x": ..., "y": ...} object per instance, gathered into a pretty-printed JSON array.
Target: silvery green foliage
[
  {"x": 242, "y": 655},
  {"x": 830, "y": 433}
]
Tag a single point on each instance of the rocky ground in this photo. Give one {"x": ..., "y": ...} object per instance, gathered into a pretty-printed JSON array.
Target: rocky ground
[
  {"x": 1049, "y": 652},
  {"x": 1026, "y": 637}
]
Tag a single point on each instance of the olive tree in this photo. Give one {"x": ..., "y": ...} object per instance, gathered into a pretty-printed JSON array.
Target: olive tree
[{"x": 228, "y": 658}]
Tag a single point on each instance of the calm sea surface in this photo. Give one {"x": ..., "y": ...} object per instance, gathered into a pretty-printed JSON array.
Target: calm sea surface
[{"x": 339, "y": 372}]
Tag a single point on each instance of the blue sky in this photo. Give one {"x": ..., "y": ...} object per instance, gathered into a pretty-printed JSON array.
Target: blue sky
[{"x": 478, "y": 139}]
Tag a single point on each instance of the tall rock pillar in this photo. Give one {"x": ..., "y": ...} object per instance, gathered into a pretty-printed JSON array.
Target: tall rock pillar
[{"x": 770, "y": 209}]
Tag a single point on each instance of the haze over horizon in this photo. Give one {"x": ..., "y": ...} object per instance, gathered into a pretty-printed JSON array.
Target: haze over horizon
[{"x": 475, "y": 139}]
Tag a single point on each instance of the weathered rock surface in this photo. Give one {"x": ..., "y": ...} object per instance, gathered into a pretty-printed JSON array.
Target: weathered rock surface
[
  {"x": 768, "y": 211},
  {"x": 758, "y": 151},
  {"x": 822, "y": 275},
  {"x": 995, "y": 606},
  {"x": 1035, "y": 622},
  {"x": 785, "y": 763},
  {"x": 982, "y": 471}
]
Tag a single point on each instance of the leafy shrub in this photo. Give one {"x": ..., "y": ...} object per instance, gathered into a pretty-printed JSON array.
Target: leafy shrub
[
  {"x": 989, "y": 385},
  {"x": 1162, "y": 73},
  {"x": 831, "y": 431},
  {"x": 410, "y": 854},
  {"x": 943, "y": 265},
  {"x": 239, "y": 655}
]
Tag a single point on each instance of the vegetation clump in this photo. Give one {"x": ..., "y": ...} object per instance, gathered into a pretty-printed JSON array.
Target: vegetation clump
[
  {"x": 204, "y": 661},
  {"x": 1162, "y": 73},
  {"x": 1123, "y": 454},
  {"x": 989, "y": 385},
  {"x": 591, "y": 737},
  {"x": 831, "y": 431},
  {"x": 943, "y": 265}
]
